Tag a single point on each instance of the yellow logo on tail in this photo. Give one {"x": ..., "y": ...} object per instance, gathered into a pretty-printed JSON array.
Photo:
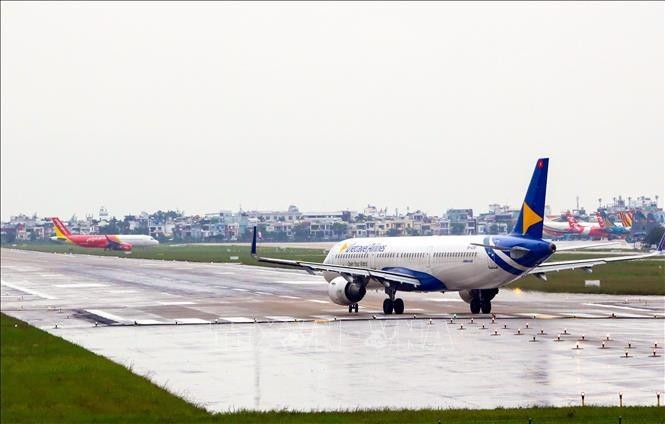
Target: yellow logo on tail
[
  {"x": 344, "y": 247},
  {"x": 529, "y": 218}
]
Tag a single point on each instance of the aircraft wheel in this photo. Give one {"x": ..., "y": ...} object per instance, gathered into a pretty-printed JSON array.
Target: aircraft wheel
[
  {"x": 486, "y": 306},
  {"x": 351, "y": 308},
  {"x": 475, "y": 306},
  {"x": 388, "y": 306},
  {"x": 398, "y": 305},
  {"x": 355, "y": 308}
]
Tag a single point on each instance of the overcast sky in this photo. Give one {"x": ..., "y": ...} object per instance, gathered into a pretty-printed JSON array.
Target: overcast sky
[{"x": 328, "y": 106}]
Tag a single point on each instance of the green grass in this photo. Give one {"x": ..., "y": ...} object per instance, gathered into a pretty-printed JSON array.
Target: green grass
[
  {"x": 189, "y": 252},
  {"x": 47, "y": 379},
  {"x": 645, "y": 277}
]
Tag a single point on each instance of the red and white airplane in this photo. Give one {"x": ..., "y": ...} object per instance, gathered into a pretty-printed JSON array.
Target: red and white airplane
[
  {"x": 574, "y": 228},
  {"x": 124, "y": 242}
]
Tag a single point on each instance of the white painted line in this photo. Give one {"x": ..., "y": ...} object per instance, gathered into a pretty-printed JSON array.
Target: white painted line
[
  {"x": 280, "y": 318},
  {"x": 122, "y": 291},
  {"x": 109, "y": 315},
  {"x": 176, "y": 303},
  {"x": 317, "y": 301},
  {"x": 300, "y": 283},
  {"x": 627, "y": 315},
  {"x": 151, "y": 322},
  {"x": 236, "y": 319},
  {"x": 191, "y": 321},
  {"x": 584, "y": 315},
  {"x": 323, "y": 317},
  {"x": 289, "y": 297},
  {"x": 26, "y": 290},
  {"x": 618, "y": 307},
  {"x": 241, "y": 290},
  {"x": 445, "y": 300},
  {"x": 79, "y": 285},
  {"x": 264, "y": 293},
  {"x": 52, "y": 275},
  {"x": 540, "y": 316}
]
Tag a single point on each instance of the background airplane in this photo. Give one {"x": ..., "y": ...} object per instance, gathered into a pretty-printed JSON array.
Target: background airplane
[
  {"x": 124, "y": 242},
  {"x": 610, "y": 228},
  {"x": 474, "y": 266}
]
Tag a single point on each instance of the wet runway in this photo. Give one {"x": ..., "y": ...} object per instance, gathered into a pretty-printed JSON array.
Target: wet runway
[{"x": 271, "y": 338}]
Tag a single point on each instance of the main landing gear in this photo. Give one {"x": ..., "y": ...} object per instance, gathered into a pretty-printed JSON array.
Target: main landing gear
[
  {"x": 391, "y": 304},
  {"x": 353, "y": 308},
  {"x": 482, "y": 300}
]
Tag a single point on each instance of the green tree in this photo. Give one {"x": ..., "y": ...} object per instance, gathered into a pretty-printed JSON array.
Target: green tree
[
  {"x": 494, "y": 229},
  {"x": 457, "y": 228},
  {"x": 654, "y": 235},
  {"x": 393, "y": 232},
  {"x": 340, "y": 229},
  {"x": 301, "y": 232}
]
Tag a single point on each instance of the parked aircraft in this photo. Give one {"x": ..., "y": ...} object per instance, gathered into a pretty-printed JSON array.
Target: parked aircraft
[
  {"x": 609, "y": 227},
  {"x": 124, "y": 242},
  {"x": 474, "y": 266}
]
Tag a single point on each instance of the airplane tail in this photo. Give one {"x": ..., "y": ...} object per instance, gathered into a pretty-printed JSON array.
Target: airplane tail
[
  {"x": 60, "y": 230},
  {"x": 600, "y": 219},
  {"x": 626, "y": 218},
  {"x": 530, "y": 221}
]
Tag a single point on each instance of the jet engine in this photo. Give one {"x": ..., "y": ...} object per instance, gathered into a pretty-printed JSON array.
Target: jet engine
[
  {"x": 466, "y": 295},
  {"x": 487, "y": 294},
  {"x": 125, "y": 247},
  {"x": 343, "y": 292}
]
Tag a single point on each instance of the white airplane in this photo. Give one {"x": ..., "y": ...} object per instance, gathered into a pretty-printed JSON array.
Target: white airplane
[{"x": 474, "y": 266}]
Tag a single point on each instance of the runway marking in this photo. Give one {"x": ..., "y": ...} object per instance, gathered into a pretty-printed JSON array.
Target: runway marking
[
  {"x": 191, "y": 321},
  {"x": 539, "y": 316},
  {"x": 237, "y": 319},
  {"x": 264, "y": 293},
  {"x": 79, "y": 285},
  {"x": 627, "y": 315},
  {"x": 27, "y": 290},
  {"x": 52, "y": 275},
  {"x": 122, "y": 291},
  {"x": 280, "y": 318},
  {"x": 151, "y": 322},
  {"x": 176, "y": 303},
  {"x": 289, "y": 297},
  {"x": 302, "y": 283},
  {"x": 324, "y": 317},
  {"x": 240, "y": 290},
  {"x": 317, "y": 301},
  {"x": 618, "y": 307},
  {"x": 108, "y": 315},
  {"x": 583, "y": 315},
  {"x": 445, "y": 300}
]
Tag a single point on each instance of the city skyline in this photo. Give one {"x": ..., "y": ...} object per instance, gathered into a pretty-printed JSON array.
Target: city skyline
[{"x": 427, "y": 105}]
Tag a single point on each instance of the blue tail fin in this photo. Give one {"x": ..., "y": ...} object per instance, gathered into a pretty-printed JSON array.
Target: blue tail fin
[{"x": 530, "y": 221}]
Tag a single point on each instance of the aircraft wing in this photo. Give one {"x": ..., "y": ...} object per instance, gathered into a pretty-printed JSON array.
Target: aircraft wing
[
  {"x": 586, "y": 263},
  {"x": 585, "y": 246},
  {"x": 312, "y": 267}
]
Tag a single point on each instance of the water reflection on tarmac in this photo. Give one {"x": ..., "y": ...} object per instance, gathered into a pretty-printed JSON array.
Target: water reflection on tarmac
[{"x": 393, "y": 363}]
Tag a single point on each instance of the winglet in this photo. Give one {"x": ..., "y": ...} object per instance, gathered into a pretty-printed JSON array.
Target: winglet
[
  {"x": 254, "y": 243},
  {"x": 530, "y": 221}
]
